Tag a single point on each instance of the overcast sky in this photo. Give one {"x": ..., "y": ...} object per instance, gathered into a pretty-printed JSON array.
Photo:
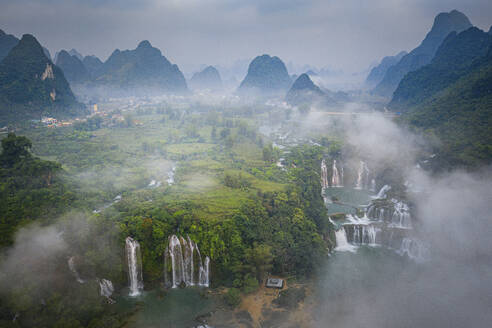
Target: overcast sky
[{"x": 340, "y": 34}]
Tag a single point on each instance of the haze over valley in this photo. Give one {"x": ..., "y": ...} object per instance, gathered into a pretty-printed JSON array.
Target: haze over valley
[{"x": 281, "y": 164}]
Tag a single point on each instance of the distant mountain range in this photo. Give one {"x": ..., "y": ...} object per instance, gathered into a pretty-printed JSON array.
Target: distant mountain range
[
  {"x": 92, "y": 65},
  {"x": 31, "y": 85},
  {"x": 143, "y": 70},
  {"x": 444, "y": 23},
  {"x": 378, "y": 72},
  {"x": 72, "y": 67},
  {"x": 208, "y": 78},
  {"x": 266, "y": 76}
]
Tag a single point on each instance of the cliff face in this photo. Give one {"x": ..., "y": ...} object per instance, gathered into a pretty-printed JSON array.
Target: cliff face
[{"x": 30, "y": 83}]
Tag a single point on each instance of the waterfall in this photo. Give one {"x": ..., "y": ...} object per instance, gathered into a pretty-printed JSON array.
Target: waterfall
[
  {"x": 382, "y": 192},
  {"x": 204, "y": 273},
  {"x": 183, "y": 263},
  {"x": 369, "y": 234},
  {"x": 71, "y": 266},
  {"x": 134, "y": 261},
  {"x": 363, "y": 234},
  {"x": 154, "y": 184},
  {"x": 170, "y": 175},
  {"x": 324, "y": 175},
  {"x": 342, "y": 243},
  {"x": 373, "y": 185},
  {"x": 336, "y": 180},
  {"x": 401, "y": 215},
  {"x": 176, "y": 253},
  {"x": 414, "y": 250},
  {"x": 362, "y": 176}
]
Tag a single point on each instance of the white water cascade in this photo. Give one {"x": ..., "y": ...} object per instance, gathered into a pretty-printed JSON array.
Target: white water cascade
[
  {"x": 71, "y": 266},
  {"x": 324, "y": 175},
  {"x": 134, "y": 261},
  {"x": 414, "y": 250},
  {"x": 342, "y": 243},
  {"x": 170, "y": 176},
  {"x": 364, "y": 234},
  {"x": 336, "y": 177},
  {"x": 204, "y": 279},
  {"x": 401, "y": 216},
  {"x": 362, "y": 176},
  {"x": 183, "y": 264}
]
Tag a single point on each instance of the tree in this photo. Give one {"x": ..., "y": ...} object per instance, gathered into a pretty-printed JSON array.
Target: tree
[
  {"x": 259, "y": 260},
  {"x": 14, "y": 149}
]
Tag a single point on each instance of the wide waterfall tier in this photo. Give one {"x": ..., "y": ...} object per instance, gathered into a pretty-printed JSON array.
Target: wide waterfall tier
[
  {"x": 324, "y": 175},
  {"x": 336, "y": 176},
  {"x": 183, "y": 264},
  {"x": 394, "y": 212},
  {"x": 134, "y": 261},
  {"x": 386, "y": 223}
]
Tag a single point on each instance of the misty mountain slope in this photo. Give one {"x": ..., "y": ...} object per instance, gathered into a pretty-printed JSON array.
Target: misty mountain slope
[
  {"x": 208, "y": 78},
  {"x": 31, "y": 83},
  {"x": 7, "y": 42},
  {"x": 444, "y": 23},
  {"x": 304, "y": 91},
  {"x": 453, "y": 60},
  {"x": 460, "y": 116},
  {"x": 144, "y": 68},
  {"x": 378, "y": 72},
  {"x": 92, "y": 65},
  {"x": 266, "y": 75},
  {"x": 75, "y": 53},
  {"x": 73, "y": 69}
]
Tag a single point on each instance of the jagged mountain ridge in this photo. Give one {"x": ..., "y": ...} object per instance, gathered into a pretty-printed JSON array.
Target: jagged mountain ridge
[{"x": 444, "y": 23}]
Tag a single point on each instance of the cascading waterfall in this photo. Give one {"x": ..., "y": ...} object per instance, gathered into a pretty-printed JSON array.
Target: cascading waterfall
[
  {"x": 170, "y": 175},
  {"x": 71, "y": 266},
  {"x": 204, "y": 273},
  {"x": 363, "y": 234},
  {"x": 362, "y": 176},
  {"x": 324, "y": 175},
  {"x": 336, "y": 178},
  {"x": 414, "y": 250},
  {"x": 183, "y": 264},
  {"x": 401, "y": 216},
  {"x": 134, "y": 261},
  {"x": 373, "y": 185},
  {"x": 342, "y": 243}
]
